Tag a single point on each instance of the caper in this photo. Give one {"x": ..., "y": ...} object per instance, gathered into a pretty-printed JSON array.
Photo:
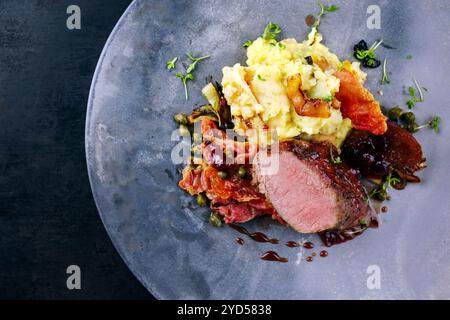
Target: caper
[
  {"x": 181, "y": 118},
  {"x": 395, "y": 113},
  {"x": 201, "y": 200},
  {"x": 222, "y": 175},
  {"x": 184, "y": 131},
  {"x": 242, "y": 172},
  {"x": 408, "y": 117},
  {"x": 412, "y": 127},
  {"x": 381, "y": 195},
  {"x": 215, "y": 220}
]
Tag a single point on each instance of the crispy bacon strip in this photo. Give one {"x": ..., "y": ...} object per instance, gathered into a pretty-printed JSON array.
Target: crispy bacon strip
[
  {"x": 358, "y": 104},
  {"x": 236, "y": 199}
]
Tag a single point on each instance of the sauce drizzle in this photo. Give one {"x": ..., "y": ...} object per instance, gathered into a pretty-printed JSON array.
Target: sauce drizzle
[
  {"x": 293, "y": 244},
  {"x": 240, "y": 241},
  {"x": 273, "y": 256},
  {"x": 308, "y": 245},
  {"x": 256, "y": 236}
]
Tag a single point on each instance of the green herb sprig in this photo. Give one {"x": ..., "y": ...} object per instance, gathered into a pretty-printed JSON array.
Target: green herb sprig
[
  {"x": 188, "y": 75},
  {"x": 193, "y": 65},
  {"x": 381, "y": 192},
  {"x": 414, "y": 98},
  {"x": 324, "y": 9},
  {"x": 369, "y": 54},
  {"x": 271, "y": 31},
  {"x": 385, "y": 78},
  {"x": 171, "y": 63},
  {"x": 184, "y": 79},
  {"x": 434, "y": 124}
]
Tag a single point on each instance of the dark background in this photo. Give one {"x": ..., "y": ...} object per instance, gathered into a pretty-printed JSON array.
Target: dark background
[{"x": 48, "y": 218}]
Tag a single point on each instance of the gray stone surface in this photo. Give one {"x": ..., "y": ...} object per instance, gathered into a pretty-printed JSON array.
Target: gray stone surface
[{"x": 167, "y": 242}]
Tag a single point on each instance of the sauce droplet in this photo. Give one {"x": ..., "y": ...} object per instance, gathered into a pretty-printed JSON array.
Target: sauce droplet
[
  {"x": 292, "y": 244},
  {"x": 310, "y": 20},
  {"x": 308, "y": 245},
  {"x": 310, "y": 259},
  {"x": 324, "y": 254},
  {"x": 273, "y": 256},
  {"x": 384, "y": 209},
  {"x": 314, "y": 254},
  {"x": 240, "y": 241},
  {"x": 256, "y": 236}
]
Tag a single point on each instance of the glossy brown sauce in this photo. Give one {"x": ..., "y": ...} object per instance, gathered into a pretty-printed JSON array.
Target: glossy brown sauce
[
  {"x": 377, "y": 156},
  {"x": 324, "y": 253},
  {"x": 308, "y": 245},
  {"x": 293, "y": 244},
  {"x": 256, "y": 236},
  {"x": 384, "y": 209},
  {"x": 313, "y": 254},
  {"x": 310, "y": 20},
  {"x": 273, "y": 256},
  {"x": 240, "y": 241},
  {"x": 309, "y": 259}
]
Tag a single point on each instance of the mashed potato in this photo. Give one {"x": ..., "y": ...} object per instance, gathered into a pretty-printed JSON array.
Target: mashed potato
[{"x": 257, "y": 92}]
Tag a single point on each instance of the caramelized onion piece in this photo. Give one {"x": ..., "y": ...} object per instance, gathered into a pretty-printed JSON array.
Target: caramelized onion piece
[{"x": 317, "y": 108}]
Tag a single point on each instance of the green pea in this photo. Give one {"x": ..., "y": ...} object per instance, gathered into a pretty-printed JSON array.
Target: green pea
[
  {"x": 181, "y": 118},
  {"x": 201, "y": 200},
  {"x": 395, "y": 113},
  {"x": 215, "y": 220},
  {"x": 241, "y": 172},
  {"x": 222, "y": 175}
]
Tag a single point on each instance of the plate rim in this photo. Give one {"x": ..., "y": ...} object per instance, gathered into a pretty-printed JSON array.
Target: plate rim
[{"x": 87, "y": 144}]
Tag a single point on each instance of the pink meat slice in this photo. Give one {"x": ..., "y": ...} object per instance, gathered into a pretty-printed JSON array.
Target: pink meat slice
[{"x": 309, "y": 192}]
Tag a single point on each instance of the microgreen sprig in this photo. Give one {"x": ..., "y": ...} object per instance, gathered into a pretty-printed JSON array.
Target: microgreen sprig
[
  {"x": 193, "y": 65},
  {"x": 184, "y": 79},
  {"x": 188, "y": 74},
  {"x": 390, "y": 182},
  {"x": 434, "y": 124},
  {"x": 271, "y": 31},
  {"x": 385, "y": 78},
  {"x": 324, "y": 9},
  {"x": 171, "y": 63},
  {"x": 369, "y": 53},
  {"x": 413, "y": 96}
]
